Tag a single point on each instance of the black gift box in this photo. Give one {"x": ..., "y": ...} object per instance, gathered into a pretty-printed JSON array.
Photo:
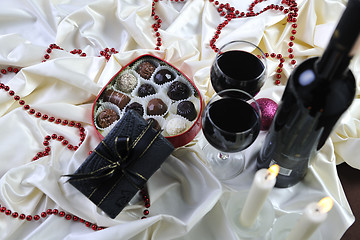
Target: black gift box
[{"x": 121, "y": 164}]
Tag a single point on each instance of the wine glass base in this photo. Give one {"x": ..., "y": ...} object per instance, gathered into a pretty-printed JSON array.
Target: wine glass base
[
  {"x": 262, "y": 224},
  {"x": 284, "y": 224},
  {"x": 224, "y": 166}
]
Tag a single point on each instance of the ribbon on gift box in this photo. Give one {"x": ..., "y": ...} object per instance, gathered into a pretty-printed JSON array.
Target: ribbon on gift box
[{"x": 119, "y": 159}]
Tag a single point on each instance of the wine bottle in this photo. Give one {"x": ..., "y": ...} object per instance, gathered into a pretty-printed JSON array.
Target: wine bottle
[{"x": 318, "y": 92}]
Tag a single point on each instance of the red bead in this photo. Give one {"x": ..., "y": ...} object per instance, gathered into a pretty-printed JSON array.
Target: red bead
[
  {"x": 72, "y": 123},
  {"x": 278, "y": 76},
  {"x": 62, "y": 214},
  {"x": 55, "y": 211},
  {"x": 46, "y": 143},
  {"x": 32, "y": 111},
  {"x": 75, "y": 148},
  {"x": 15, "y": 70},
  {"x": 54, "y": 136},
  {"x": 16, "y": 98},
  {"x": 8, "y": 212},
  {"x": 292, "y": 38},
  {"x": 47, "y": 149},
  {"x": 3, "y": 71},
  {"x": 6, "y": 88},
  {"x": 49, "y": 50},
  {"x": 22, "y": 216},
  {"x": 294, "y": 25},
  {"x": 78, "y": 125},
  {"x": 94, "y": 227},
  {"x": 68, "y": 217},
  {"x": 291, "y": 56},
  {"x": 277, "y": 82},
  {"x": 143, "y": 217},
  {"x": 65, "y": 142},
  {"x": 70, "y": 146},
  {"x": 272, "y": 55},
  {"x": 88, "y": 224},
  {"x": 75, "y": 218},
  {"x": 29, "y": 217},
  {"x": 146, "y": 212},
  {"x": 46, "y": 56},
  {"x": 44, "y": 117},
  {"x": 15, "y": 214},
  {"x": 216, "y": 2},
  {"x": 100, "y": 228},
  {"x": 293, "y": 31},
  {"x": 83, "y": 55},
  {"x": 47, "y": 137},
  {"x": 65, "y": 122},
  {"x": 279, "y": 70},
  {"x": 293, "y": 62},
  {"x": 11, "y": 93},
  {"x": 60, "y": 138},
  {"x": 36, "y": 217},
  {"x": 147, "y": 205},
  {"x": 22, "y": 102},
  {"x": 49, "y": 211},
  {"x": 9, "y": 69},
  {"x": 43, "y": 214},
  {"x": 51, "y": 119},
  {"x": 58, "y": 121},
  {"x": 291, "y": 44},
  {"x": 279, "y": 56},
  {"x": 38, "y": 114}
]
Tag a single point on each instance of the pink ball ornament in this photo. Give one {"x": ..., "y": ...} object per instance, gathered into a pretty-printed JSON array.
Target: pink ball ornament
[{"x": 268, "y": 109}]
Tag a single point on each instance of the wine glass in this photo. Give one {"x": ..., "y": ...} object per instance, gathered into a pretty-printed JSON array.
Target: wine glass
[
  {"x": 231, "y": 122},
  {"x": 239, "y": 65}
]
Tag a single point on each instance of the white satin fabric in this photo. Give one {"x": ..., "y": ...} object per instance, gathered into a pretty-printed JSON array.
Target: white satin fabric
[{"x": 187, "y": 201}]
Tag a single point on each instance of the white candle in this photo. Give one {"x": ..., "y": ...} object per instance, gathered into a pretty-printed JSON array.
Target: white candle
[
  {"x": 264, "y": 181},
  {"x": 314, "y": 214}
]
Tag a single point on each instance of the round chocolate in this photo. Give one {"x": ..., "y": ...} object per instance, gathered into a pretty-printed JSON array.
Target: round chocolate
[
  {"x": 146, "y": 90},
  {"x": 155, "y": 124},
  {"x": 163, "y": 76},
  {"x": 187, "y": 110},
  {"x": 126, "y": 82},
  {"x": 156, "y": 106},
  {"x": 135, "y": 106},
  {"x": 178, "y": 90},
  {"x": 116, "y": 98},
  {"x": 106, "y": 117},
  {"x": 145, "y": 69}
]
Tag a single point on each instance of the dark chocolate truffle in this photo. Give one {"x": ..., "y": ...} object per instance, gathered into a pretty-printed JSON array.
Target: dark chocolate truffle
[
  {"x": 146, "y": 90},
  {"x": 178, "y": 90},
  {"x": 187, "y": 110},
  {"x": 116, "y": 98},
  {"x": 145, "y": 69},
  {"x": 156, "y": 106},
  {"x": 155, "y": 124},
  {"x": 106, "y": 117},
  {"x": 163, "y": 76},
  {"x": 135, "y": 106}
]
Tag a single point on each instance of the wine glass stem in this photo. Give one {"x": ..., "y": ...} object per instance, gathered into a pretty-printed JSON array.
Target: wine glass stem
[{"x": 223, "y": 156}]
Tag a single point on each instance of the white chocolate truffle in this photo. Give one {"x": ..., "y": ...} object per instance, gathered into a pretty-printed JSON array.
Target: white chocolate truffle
[
  {"x": 126, "y": 82},
  {"x": 176, "y": 126}
]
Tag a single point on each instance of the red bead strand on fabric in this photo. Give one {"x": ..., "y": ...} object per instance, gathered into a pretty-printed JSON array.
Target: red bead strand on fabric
[
  {"x": 45, "y": 117},
  {"x": 103, "y": 53}
]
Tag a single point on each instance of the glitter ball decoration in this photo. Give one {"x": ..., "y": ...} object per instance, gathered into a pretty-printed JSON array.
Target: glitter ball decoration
[{"x": 268, "y": 109}]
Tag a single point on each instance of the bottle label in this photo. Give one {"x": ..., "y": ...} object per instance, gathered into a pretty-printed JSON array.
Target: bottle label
[{"x": 282, "y": 171}]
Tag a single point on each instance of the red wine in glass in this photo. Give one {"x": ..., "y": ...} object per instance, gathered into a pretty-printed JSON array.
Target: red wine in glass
[
  {"x": 239, "y": 65},
  {"x": 230, "y": 123},
  {"x": 231, "y": 132}
]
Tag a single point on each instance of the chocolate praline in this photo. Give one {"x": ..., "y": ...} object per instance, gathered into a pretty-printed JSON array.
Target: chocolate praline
[
  {"x": 126, "y": 82},
  {"x": 187, "y": 110},
  {"x": 145, "y": 69},
  {"x": 178, "y": 90},
  {"x": 163, "y": 76},
  {"x": 136, "y": 107},
  {"x": 146, "y": 89},
  {"x": 116, "y": 98},
  {"x": 106, "y": 117},
  {"x": 156, "y": 106}
]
